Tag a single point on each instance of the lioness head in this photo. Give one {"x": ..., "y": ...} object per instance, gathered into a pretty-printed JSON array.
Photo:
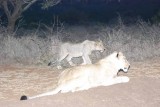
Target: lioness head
[
  {"x": 99, "y": 46},
  {"x": 120, "y": 61}
]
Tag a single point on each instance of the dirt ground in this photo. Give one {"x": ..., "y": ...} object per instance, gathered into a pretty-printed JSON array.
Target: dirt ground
[{"x": 143, "y": 90}]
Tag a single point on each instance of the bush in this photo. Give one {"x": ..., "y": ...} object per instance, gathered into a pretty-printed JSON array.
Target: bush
[
  {"x": 137, "y": 42},
  {"x": 29, "y": 49},
  {"x": 156, "y": 17}
]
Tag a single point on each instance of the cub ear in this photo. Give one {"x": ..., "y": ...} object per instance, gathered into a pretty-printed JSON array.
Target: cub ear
[
  {"x": 95, "y": 44},
  {"x": 99, "y": 40}
]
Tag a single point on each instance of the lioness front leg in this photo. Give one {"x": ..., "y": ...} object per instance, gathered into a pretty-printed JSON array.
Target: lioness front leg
[
  {"x": 121, "y": 79},
  {"x": 116, "y": 80}
]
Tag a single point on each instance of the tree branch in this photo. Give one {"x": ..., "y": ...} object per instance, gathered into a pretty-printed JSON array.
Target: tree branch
[
  {"x": 5, "y": 6},
  {"x": 50, "y": 3},
  {"x": 11, "y": 1},
  {"x": 17, "y": 8},
  {"x": 25, "y": 1},
  {"x": 29, "y": 5}
]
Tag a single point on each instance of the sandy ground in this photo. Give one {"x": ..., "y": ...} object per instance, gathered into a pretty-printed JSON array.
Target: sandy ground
[{"x": 143, "y": 90}]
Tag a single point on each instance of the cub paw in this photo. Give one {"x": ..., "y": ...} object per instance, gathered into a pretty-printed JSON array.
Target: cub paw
[{"x": 59, "y": 67}]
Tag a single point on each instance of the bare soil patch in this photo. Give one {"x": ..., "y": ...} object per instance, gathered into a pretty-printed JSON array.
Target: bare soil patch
[{"x": 143, "y": 90}]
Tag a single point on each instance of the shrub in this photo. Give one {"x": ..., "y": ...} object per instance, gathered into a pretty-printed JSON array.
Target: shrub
[{"x": 138, "y": 42}]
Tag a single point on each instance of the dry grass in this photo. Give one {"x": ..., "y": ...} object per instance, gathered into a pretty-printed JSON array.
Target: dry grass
[
  {"x": 25, "y": 50},
  {"x": 138, "y": 42}
]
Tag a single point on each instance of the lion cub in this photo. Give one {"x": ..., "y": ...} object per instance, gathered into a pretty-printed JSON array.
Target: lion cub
[{"x": 84, "y": 49}]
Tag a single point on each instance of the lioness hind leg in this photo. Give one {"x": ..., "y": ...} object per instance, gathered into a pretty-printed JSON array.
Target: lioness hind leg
[{"x": 80, "y": 89}]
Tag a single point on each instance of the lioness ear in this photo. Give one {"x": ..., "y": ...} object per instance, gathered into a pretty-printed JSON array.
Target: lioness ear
[
  {"x": 115, "y": 54},
  {"x": 119, "y": 54}
]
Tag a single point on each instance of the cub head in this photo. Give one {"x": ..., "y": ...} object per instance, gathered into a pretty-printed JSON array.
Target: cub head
[
  {"x": 98, "y": 45},
  {"x": 119, "y": 61}
]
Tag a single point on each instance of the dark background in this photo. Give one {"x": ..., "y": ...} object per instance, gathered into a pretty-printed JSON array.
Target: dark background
[{"x": 76, "y": 12}]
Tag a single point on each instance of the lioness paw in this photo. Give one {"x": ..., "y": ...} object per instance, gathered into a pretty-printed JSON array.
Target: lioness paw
[{"x": 124, "y": 79}]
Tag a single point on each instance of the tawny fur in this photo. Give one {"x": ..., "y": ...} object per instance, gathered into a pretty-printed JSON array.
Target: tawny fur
[
  {"x": 84, "y": 49},
  {"x": 102, "y": 73}
]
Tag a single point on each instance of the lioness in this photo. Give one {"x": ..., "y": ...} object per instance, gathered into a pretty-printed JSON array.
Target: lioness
[
  {"x": 84, "y": 49},
  {"x": 102, "y": 73}
]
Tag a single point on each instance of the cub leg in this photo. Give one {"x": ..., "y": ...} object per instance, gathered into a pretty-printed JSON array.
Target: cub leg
[
  {"x": 86, "y": 60},
  {"x": 69, "y": 59},
  {"x": 61, "y": 57}
]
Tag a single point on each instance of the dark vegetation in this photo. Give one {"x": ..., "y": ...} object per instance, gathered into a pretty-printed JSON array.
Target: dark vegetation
[{"x": 35, "y": 38}]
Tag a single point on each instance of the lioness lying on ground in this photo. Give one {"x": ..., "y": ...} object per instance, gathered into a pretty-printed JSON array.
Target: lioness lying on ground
[
  {"x": 102, "y": 73},
  {"x": 84, "y": 49}
]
